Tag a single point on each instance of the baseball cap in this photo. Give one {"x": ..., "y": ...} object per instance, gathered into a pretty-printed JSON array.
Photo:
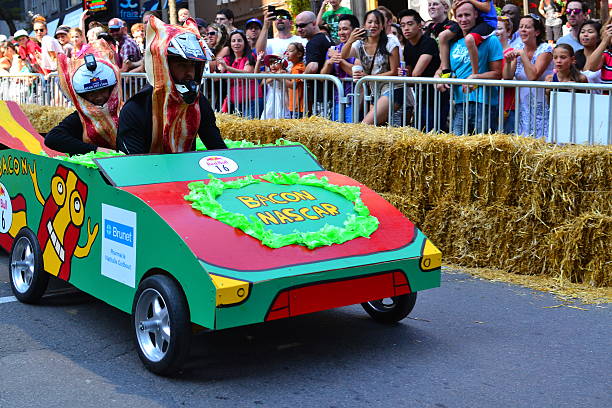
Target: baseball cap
[
  {"x": 115, "y": 23},
  {"x": 271, "y": 58},
  {"x": 63, "y": 29},
  {"x": 3, "y": 38},
  {"x": 253, "y": 20},
  {"x": 201, "y": 22},
  {"x": 20, "y": 33}
]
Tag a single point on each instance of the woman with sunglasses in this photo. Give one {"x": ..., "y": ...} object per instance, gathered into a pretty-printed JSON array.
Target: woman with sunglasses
[
  {"x": 531, "y": 61},
  {"x": 50, "y": 47}
]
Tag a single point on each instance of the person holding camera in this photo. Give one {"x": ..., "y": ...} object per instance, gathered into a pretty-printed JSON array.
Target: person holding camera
[
  {"x": 284, "y": 25},
  {"x": 128, "y": 50},
  {"x": 379, "y": 55},
  {"x": 332, "y": 17}
]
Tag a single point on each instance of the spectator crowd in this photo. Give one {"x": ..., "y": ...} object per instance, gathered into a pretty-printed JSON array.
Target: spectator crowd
[{"x": 467, "y": 39}]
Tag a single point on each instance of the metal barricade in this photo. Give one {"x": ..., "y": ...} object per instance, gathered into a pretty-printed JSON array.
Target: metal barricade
[
  {"x": 548, "y": 110},
  {"x": 131, "y": 83},
  {"x": 276, "y": 96},
  {"x": 22, "y": 88}
]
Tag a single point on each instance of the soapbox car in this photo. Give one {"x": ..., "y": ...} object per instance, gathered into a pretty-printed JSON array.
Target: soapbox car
[{"x": 125, "y": 233}]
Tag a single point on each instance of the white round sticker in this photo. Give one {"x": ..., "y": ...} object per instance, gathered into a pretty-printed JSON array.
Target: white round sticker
[
  {"x": 6, "y": 210},
  {"x": 218, "y": 164}
]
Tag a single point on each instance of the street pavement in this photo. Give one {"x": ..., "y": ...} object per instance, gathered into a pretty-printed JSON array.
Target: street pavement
[{"x": 470, "y": 343}]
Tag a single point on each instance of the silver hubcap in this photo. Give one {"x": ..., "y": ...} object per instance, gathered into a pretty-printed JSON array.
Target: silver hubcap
[
  {"x": 383, "y": 305},
  {"x": 22, "y": 265},
  {"x": 152, "y": 324}
]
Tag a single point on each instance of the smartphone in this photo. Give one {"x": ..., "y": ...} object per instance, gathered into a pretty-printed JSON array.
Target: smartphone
[
  {"x": 272, "y": 10},
  {"x": 365, "y": 34}
]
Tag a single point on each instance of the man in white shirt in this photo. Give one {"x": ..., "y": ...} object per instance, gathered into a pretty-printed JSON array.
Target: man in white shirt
[
  {"x": 50, "y": 47},
  {"x": 283, "y": 23}
]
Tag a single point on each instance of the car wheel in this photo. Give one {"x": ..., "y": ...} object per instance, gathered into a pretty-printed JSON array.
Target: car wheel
[
  {"x": 28, "y": 278},
  {"x": 391, "y": 310},
  {"x": 162, "y": 326}
]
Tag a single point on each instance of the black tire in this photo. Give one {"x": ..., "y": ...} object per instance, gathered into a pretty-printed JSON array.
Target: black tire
[
  {"x": 391, "y": 310},
  {"x": 162, "y": 333},
  {"x": 26, "y": 273}
]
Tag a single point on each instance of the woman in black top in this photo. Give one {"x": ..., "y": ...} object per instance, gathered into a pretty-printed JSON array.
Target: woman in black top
[{"x": 589, "y": 38}]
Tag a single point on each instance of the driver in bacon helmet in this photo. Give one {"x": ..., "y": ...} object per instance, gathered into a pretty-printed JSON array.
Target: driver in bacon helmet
[
  {"x": 166, "y": 115},
  {"x": 90, "y": 82}
]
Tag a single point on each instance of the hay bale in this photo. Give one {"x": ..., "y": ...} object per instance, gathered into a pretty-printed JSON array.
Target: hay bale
[
  {"x": 45, "y": 118},
  {"x": 580, "y": 249}
]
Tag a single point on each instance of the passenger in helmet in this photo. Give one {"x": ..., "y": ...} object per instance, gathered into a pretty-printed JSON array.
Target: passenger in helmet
[
  {"x": 166, "y": 115},
  {"x": 90, "y": 82}
]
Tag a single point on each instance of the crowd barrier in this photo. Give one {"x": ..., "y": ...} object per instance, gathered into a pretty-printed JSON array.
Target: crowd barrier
[
  {"x": 558, "y": 112},
  {"x": 22, "y": 88}
]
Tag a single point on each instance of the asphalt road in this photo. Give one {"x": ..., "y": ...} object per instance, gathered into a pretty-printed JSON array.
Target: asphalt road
[{"x": 470, "y": 343}]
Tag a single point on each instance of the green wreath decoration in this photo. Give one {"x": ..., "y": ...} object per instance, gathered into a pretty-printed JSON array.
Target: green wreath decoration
[{"x": 361, "y": 224}]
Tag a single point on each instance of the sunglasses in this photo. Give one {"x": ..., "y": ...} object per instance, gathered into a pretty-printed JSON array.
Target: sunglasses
[
  {"x": 304, "y": 25},
  {"x": 574, "y": 11},
  {"x": 39, "y": 30},
  {"x": 534, "y": 16},
  {"x": 282, "y": 17},
  {"x": 211, "y": 33}
]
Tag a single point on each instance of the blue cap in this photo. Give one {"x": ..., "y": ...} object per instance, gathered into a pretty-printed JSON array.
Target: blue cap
[{"x": 254, "y": 20}]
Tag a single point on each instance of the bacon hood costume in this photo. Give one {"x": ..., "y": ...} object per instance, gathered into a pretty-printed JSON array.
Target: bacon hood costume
[
  {"x": 176, "y": 117},
  {"x": 99, "y": 122}
]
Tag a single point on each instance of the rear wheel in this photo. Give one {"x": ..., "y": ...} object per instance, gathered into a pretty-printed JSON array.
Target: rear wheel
[
  {"x": 162, "y": 326},
  {"x": 28, "y": 278},
  {"x": 391, "y": 310}
]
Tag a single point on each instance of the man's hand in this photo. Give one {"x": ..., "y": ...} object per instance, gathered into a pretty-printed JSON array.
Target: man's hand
[{"x": 470, "y": 88}]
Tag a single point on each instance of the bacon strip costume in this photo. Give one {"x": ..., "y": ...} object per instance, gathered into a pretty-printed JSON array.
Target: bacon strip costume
[
  {"x": 99, "y": 122},
  {"x": 175, "y": 123}
]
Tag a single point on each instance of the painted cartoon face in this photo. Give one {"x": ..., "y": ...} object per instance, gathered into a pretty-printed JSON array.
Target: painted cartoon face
[{"x": 61, "y": 221}]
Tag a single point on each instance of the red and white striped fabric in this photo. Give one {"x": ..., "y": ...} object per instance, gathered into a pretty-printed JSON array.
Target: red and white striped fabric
[
  {"x": 175, "y": 123},
  {"x": 99, "y": 122}
]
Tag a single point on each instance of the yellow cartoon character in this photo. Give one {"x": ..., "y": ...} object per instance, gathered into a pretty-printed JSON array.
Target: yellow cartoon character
[{"x": 61, "y": 221}]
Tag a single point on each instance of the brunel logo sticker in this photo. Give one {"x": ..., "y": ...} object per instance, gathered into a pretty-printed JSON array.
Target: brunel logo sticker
[{"x": 121, "y": 233}]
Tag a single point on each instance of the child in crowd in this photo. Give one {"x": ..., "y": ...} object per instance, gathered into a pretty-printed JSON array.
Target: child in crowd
[
  {"x": 565, "y": 66},
  {"x": 274, "y": 105},
  {"x": 487, "y": 16},
  {"x": 78, "y": 41},
  {"x": 295, "y": 88}
]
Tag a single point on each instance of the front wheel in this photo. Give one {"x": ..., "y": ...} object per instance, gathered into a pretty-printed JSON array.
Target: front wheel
[
  {"x": 28, "y": 278},
  {"x": 391, "y": 310},
  {"x": 161, "y": 323}
]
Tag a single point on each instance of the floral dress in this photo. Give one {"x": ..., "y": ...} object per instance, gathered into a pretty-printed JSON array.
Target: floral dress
[{"x": 533, "y": 107}]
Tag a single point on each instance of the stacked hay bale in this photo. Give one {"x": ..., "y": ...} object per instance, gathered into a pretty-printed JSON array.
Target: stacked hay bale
[
  {"x": 496, "y": 201},
  {"x": 508, "y": 202}
]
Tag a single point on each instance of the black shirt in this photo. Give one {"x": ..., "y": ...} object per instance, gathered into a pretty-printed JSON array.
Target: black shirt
[
  {"x": 426, "y": 45},
  {"x": 67, "y": 137},
  {"x": 316, "y": 49},
  {"x": 136, "y": 122},
  {"x": 434, "y": 29},
  {"x": 580, "y": 59}
]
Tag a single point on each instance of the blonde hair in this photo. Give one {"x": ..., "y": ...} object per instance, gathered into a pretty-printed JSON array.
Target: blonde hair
[
  {"x": 92, "y": 34},
  {"x": 507, "y": 22},
  {"x": 136, "y": 27}
]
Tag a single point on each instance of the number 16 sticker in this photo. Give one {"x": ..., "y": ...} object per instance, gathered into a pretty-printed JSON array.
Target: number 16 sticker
[
  {"x": 218, "y": 164},
  {"x": 6, "y": 210}
]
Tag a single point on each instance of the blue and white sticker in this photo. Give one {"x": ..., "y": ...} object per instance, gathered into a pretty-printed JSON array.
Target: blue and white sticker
[
  {"x": 6, "y": 210},
  {"x": 119, "y": 244}
]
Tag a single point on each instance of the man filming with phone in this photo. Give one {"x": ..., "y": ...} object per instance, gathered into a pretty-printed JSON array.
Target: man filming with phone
[{"x": 283, "y": 22}]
